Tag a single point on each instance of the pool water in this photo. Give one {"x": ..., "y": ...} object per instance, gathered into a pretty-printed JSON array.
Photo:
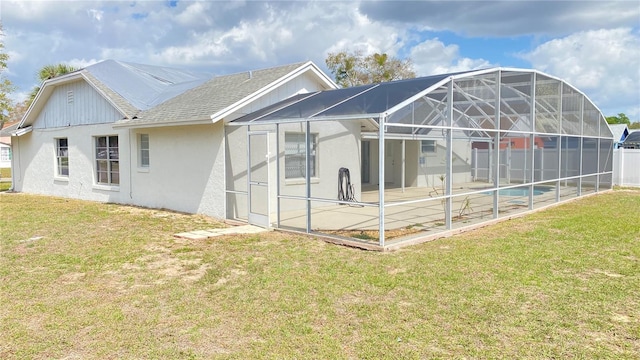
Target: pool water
[
  {"x": 518, "y": 192},
  {"x": 524, "y": 191}
]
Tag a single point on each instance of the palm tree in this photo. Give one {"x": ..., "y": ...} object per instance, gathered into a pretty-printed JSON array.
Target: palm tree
[{"x": 49, "y": 72}]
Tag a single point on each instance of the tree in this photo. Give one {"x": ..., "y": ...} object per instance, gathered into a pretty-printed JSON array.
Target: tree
[
  {"x": 353, "y": 68},
  {"x": 6, "y": 87},
  {"x": 18, "y": 111},
  {"x": 621, "y": 118},
  {"x": 49, "y": 72}
]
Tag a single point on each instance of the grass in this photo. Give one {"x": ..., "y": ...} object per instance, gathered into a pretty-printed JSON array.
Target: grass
[
  {"x": 92, "y": 281},
  {"x": 5, "y": 173}
]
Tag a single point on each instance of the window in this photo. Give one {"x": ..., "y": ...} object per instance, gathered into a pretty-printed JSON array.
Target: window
[
  {"x": 107, "y": 164},
  {"x": 143, "y": 150},
  {"x": 428, "y": 146},
  {"x": 5, "y": 154},
  {"x": 295, "y": 153},
  {"x": 62, "y": 157}
]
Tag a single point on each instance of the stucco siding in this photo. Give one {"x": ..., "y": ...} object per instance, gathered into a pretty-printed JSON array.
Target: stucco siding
[
  {"x": 35, "y": 164},
  {"x": 338, "y": 146},
  {"x": 185, "y": 173},
  {"x": 75, "y": 103}
]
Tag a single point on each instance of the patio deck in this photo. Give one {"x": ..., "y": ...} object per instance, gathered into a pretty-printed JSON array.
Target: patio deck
[{"x": 415, "y": 212}]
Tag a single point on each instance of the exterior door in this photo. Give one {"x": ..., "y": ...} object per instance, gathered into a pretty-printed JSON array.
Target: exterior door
[{"x": 258, "y": 177}]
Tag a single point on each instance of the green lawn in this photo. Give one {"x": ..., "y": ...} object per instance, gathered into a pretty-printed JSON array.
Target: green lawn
[
  {"x": 5, "y": 173},
  {"x": 81, "y": 280}
]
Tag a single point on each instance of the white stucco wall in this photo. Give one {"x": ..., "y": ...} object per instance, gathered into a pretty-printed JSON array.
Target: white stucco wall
[
  {"x": 338, "y": 146},
  {"x": 35, "y": 164},
  {"x": 186, "y": 167},
  {"x": 421, "y": 173}
]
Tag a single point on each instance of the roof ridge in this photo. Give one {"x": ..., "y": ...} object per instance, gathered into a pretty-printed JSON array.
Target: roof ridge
[{"x": 296, "y": 64}]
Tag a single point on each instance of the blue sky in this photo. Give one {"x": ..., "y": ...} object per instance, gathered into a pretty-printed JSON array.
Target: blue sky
[{"x": 594, "y": 45}]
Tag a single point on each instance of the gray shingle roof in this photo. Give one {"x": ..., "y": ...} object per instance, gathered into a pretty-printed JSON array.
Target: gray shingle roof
[
  {"x": 6, "y": 130},
  {"x": 213, "y": 96}
]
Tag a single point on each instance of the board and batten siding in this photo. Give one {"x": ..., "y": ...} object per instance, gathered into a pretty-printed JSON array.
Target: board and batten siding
[{"x": 76, "y": 103}]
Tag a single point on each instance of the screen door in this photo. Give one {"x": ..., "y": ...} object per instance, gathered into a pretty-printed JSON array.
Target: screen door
[{"x": 258, "y": 176}]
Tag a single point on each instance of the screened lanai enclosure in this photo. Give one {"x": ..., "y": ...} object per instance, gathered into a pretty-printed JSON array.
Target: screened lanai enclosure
[{"x": 393, "y": 163}]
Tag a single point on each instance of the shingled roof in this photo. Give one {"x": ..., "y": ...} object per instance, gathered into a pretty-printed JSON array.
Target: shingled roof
[
  {"x": 148, "y": 95},
  {"x": 214, "y": 96}
]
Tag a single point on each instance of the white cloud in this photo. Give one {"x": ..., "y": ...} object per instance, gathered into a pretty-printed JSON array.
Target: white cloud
[
  {"x": 286, "y": 33},
  {"x": 434, "y": 57},
  {"x": 95, "y": 14},
  {"x": 195, "y": 13},
  {"x": 605, "y": 64},
  {"x": 81, "y": 63},
  {"x": 506, "y": 18},
  {"x": 228, "y": 36}
]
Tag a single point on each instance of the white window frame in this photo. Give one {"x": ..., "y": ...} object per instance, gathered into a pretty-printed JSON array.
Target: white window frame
[
  {"x": 295, "y": 155},
  {"x": 428, "y": 146},
  {"x": 143, "y": 151},
  {"x": 107, "y": 160},
  {"x": 5, "y": 154},
  {"x": 62, "y": 157}
]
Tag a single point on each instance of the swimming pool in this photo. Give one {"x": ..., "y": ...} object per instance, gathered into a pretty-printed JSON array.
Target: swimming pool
[{"x": 520, "y": 191}]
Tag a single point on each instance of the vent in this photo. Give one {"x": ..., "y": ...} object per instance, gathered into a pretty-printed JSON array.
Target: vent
[{"x": 70, "y": 97}]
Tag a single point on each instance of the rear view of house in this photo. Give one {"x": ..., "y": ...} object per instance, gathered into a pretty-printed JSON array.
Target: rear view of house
[
  {"x": 281, "y": 147},
  {"x": 144, "y": 135}
]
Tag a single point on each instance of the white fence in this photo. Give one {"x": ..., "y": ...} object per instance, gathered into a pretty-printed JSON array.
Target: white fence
[{"x": 626, "y": 167}]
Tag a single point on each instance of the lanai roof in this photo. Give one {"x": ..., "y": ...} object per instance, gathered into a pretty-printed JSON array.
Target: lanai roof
[
  {"x": 421, "y": 103},
  {"x": 360, "y": 101}
]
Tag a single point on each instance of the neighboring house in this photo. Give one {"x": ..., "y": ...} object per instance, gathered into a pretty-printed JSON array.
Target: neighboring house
[
  {"x": 632, "y": 141},
  {"x": 143, "y": 135},
  {"x": 5, "y": 155},
  {"x": 620, "y": 132},
  {"x": 5, "y": 145}
]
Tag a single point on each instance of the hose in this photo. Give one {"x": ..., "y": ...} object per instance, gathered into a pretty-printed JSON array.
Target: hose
[{"x": 345, "y": 188}]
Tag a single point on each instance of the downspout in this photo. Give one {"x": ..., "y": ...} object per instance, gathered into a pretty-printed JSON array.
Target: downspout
[
  {"x": 225, "y": 206},
  {"x": 404, "y": 168}
]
